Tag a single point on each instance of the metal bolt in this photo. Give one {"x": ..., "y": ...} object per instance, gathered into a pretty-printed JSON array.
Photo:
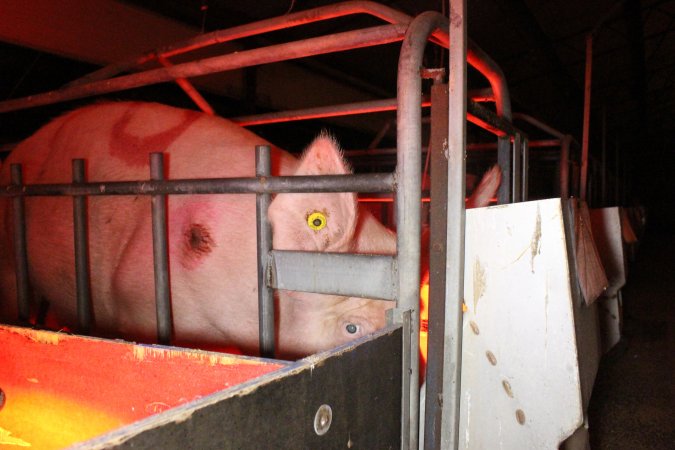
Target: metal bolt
[{"x": 323, "y": 419}]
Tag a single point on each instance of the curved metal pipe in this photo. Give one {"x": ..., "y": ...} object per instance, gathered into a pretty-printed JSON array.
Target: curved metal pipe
[{"x": 408, "y": 168}]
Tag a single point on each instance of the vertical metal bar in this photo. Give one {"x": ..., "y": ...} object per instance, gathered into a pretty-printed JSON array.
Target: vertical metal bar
[
  {"x": 603, "y": 159},
  {"x": 437, "y": 260},
  {"x": 587, "y": 117},
  {"x": 20, "y": 253},
  {"x": 452, "y": 364},
  {"x": 408, "y": 196},
  {"x": 525, "y": 170},
  {"x": 160, "y": 255},
  {"x": 516, "y": 166},
  {"x": 84, "y": 314},
  {"x": 264, "y": 232},
  {"x": 565, "y": 166},
  {"x": 504, "y": 159}
]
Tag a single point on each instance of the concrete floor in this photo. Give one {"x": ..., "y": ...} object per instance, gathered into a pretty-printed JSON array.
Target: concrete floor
[{"x": 633, "y": 406}]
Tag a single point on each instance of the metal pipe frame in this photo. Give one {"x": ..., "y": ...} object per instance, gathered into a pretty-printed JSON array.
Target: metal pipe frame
[
  {"x": 20, "y": 253},
  {"x": 455, "y": 226},
  {"x": 83, "y": 287},
  {"x": 160, "y": 247},
  {"x": 375, "y": 182},
  {"x": 263, "y": 168},
  {"x": 98, "y": 82},
  {"x": 587, "y": 117}
]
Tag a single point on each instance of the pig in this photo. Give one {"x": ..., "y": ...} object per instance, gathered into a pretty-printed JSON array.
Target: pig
[{"x": 212, "y": 240}]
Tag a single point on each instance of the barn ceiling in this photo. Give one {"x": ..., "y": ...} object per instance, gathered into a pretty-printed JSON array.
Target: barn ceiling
[{"x": 539, "y": 44}]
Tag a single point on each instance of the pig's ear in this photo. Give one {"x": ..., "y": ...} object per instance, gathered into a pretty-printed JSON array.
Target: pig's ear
[{"x": 316, "y": 222}]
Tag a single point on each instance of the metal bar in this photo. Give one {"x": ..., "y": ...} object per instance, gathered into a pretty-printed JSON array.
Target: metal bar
[
  {"x": 251, "y": 29},
  {"x": 408, "y": 168},
  {"x": 353, "y": 275},
  {"x": 525, "y": 170},
  {"x": 493, "y": 145},
  {"x": 484, "y": 118},
  {"x": 539, "y": 124},
  {"x": 587, "y": 117},
  {"x": 20, "y": 254},
  {"x": 84, "y": 310},
  {"x": 454, "y": 288},
  {"x": 321, "y": 112},
  {"x": 263, "y": 168},
  {"x": 189, "y": 89},
  {"x": 161, "y": 255},
  {"x": 437, "y": 260},
  {"x": 379, "y": 182},
  {"x": 504, "y": 158},
  {"x": 603, "y": 159},
  {"x": 384, "y": 34},
  {"x": 516, "y": 178}
]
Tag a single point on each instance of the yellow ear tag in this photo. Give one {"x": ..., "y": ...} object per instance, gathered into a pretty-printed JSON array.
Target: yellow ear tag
[{"x": 316, "y": 221}]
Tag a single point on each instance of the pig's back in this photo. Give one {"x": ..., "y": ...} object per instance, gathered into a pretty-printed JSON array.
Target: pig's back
[{"x": 206, "y": 234}]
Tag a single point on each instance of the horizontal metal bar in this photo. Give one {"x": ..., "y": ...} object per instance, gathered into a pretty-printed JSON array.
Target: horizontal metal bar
[
  {"x": 348, "y": 40},
  {"x": 484, "y": 118},
  {"x": 378, "y": 182},
  {"x": 367, "y": 276},
  {"x": 320, "y": 112}
]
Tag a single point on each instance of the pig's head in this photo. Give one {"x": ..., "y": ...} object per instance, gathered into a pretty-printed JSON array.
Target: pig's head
[{"x": 325, "y": 222}]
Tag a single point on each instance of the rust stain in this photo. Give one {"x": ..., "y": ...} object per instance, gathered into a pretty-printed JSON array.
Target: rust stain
[
  {"x": 141, "y": 353},
  {"x": 474, "y": 327},
  {"x": 478, "y": 283},
  {"x": 520, "y": 416},
  {"x": 535, "y": 243},
  {"x": 507, "y": 388}
]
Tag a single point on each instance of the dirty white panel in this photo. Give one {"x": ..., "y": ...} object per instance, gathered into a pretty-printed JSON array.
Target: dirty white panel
[
  {"x": 606, "y": 226},
  {"x": 520, "y": 370}
]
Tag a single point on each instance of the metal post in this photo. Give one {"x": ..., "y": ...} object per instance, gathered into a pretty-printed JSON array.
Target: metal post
[
  {"x": 504, "y": 159},
  {"x": 20, "y": 254},
  {"x": 603, "y": 159},
  {"x": 565, "y": 166},
  {"x": 516, "y": 168},
  {"x": 525, "y": 170},
  {"x": 264, "y": 233},
  {"x": 587, "y": 117},
  {"x": 437, "y": 259},
  {"x": 160, "y": 255},
  {"x": 84, "y": 313},
  {"x": 452, "y": 364}
]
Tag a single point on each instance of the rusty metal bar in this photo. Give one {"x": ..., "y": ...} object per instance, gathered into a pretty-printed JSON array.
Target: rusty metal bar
[
  {"x": 437, "y": 260},
  {"x": 161, "y": 255},
  {"x": 20, "y": 254},
  {"x": 263, "y": 168},
  {"x": 84, "y": 310}
]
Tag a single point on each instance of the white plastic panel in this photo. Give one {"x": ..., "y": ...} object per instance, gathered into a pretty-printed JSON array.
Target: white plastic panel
[
  {"x": 520, "y": 372},
  {"x": 606, "y": 226}
]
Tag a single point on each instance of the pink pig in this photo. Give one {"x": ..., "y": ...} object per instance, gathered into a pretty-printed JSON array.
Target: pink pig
[{"x": 212, "y": 241}]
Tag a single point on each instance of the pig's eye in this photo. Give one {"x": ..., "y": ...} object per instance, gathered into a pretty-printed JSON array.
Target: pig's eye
[
  {"x": 316, "y": 220},
  {"x": 352, "y": 328}
]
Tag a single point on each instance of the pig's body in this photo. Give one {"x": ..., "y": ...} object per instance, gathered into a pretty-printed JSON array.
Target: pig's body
[{"x": 211, "y": 237}]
